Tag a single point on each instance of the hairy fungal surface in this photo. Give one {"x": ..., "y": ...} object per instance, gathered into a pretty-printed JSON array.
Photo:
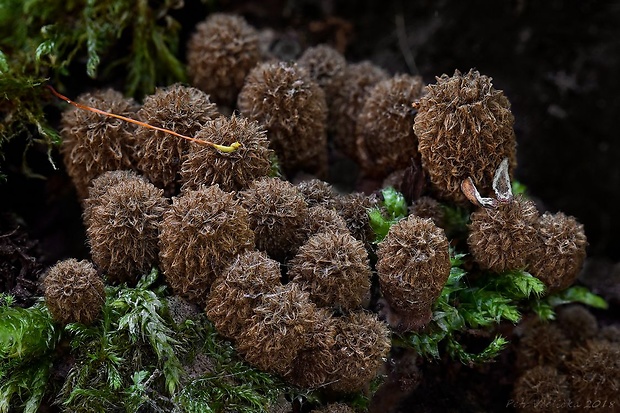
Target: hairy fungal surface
[
  {"x": 277, "y": 214},
  {"x": 201, "y": 234},
  {"x": 317, "y": 192},
  {"x": 503, "y": 238},
  {"x": 334, "y": 408},
  {"x": 326, "y": 67},
  {"x": 123, "y": 228},
  {"x": 235, "y": 294},
  {"x": 559, "y": 252},
  {"x": 291, "y": 106},
  {"x": 321, "y": 219},
  {"x": 348, "y": 101},
  {"x": 334, "y": 268},
  {"x": 362, "y": 344},
  {"x": 465, "y": 129},
  {"x": 74, "y": 292},
  {"x": 384, "y": 130},
  {"x": 220, "y": 54},
  {"x": 542, "y": 344},
  {"x": 353, "y": 208},
  {"x": 92, "y": 143},
  {"x": 542, "y": 389},
  {"x": 413, "y": 266},
  {"x": 181, "y": 109},
  {"x": 100, "y": 185},
  {"x": 232, "y": 171},
  {"x": 281, "y": 325},
  {"x": 427, "y": 207}
]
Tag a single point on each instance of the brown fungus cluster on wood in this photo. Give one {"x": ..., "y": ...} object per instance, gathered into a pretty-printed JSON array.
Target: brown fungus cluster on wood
[
  {"x": 74, "y": 292},
  {"x": 220, "y": 54},
  {"x": 94, "y": 144}
]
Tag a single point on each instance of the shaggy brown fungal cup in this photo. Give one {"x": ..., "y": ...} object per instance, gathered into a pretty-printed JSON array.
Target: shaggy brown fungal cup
[
  {"x": 181, "y": 109},
  {"x": 326, "y": 67},
  {"x": 291, "y": 106},
  {"x": 384, "y": 129},
  {"x": 235, "y": 294},
  {"x": 321, "y": 219},
  {"x": 427, "y": 207},
  {"x": 465, "y": 129},
  {"x": 501, "y": 239},
  {"x": 231, "y": 171},
  {"x": 123, "y": 227},
  {"x": 413, "y": 267},
  {"x": 542, "y": 344},
  {"x": 100, "y": 185},
  {"x": 201, "y": 234},
  {"x": 362, "y": 344},
  {"x": 353, "y": 208},
  {"x": 334, "y": 268},
  {"x": 577, "y": 322},
  {"x": 277, "y": 214},
  {"x": 220, "y": 54},
  {"x": 559, "y": 251},
  {"x": 317, "y": 192},
  {"x": 542, "y": 389},
  {"x": 347, "y": 103},
  {"x": 74, "y": 292},
  {"x": 281, "y": 325},
  {"x": 92, "y": 143}
]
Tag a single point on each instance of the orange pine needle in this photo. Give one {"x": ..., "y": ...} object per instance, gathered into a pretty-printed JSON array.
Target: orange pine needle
[{"x": 223, "y": 148}]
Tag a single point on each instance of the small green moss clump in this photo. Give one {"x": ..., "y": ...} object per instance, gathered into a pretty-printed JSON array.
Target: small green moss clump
[
  {"x": 465, "y": 129},
  {"x": 74, "y": 292},
  {"x": 201, "y": 234},
  {"x": 181, "y": 109},
  {"x": 502, "y": 239},
  {"x": 123, "y": 226},
  {"x": 291, "y": 106},
  {"x": 334, "y": 268},
  {"x": 93, "y": 143},
  {"x": 413, "y": 267},
  {"x": 220, "y": 54},
  {"x": 232, "y": 171},
  {"x": 384, "y": 130}
]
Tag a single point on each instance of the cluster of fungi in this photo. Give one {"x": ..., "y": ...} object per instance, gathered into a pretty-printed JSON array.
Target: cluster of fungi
[{"x": 283, "y": 264}]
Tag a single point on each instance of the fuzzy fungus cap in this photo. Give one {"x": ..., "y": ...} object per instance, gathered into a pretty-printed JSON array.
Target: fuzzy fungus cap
[
  {"x": 235, "y": 294},
  {"x": 277, "y": 214},
  {"x": 594, "y": 372},
  {"x": 542, "y": 344},
  {"x": 220, "y": 54},
  {"x": 413, "y": 267},
  {"x": 542, "y": 389},
  {"x": 465, "y": 129},
  {"x": 326, "y": 67},
  {"x": 123, "y": 227},
  {"x": 281, "y": 325},
  {"x": 181, "y": 109},
  {"x": 501, "y": 239},
  {"x": 231, "y": 171},
  {"x": 384, "y": 130},
  {"x": 362, "y": 344},
  {"x": 317, "y": 192},
  {"x": 347, "y": 103},
  {"x": 334, "y": 268},
  {"x": 321, "y": 219},
  {"x": 74, "y": 292},
  {"x": 201, "y": 234},
  {"x": 92, "y": 143},
  {"x": 559, "y": 251},
  {"x": 100, "y": 185},
  {"x": 353, "y": 208},
  {"x": 334, "y": 408},
  {"x": 427, "y": 207},
  {"x": 291, "y": 106},
  {"x": 577, "y": 322}
]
